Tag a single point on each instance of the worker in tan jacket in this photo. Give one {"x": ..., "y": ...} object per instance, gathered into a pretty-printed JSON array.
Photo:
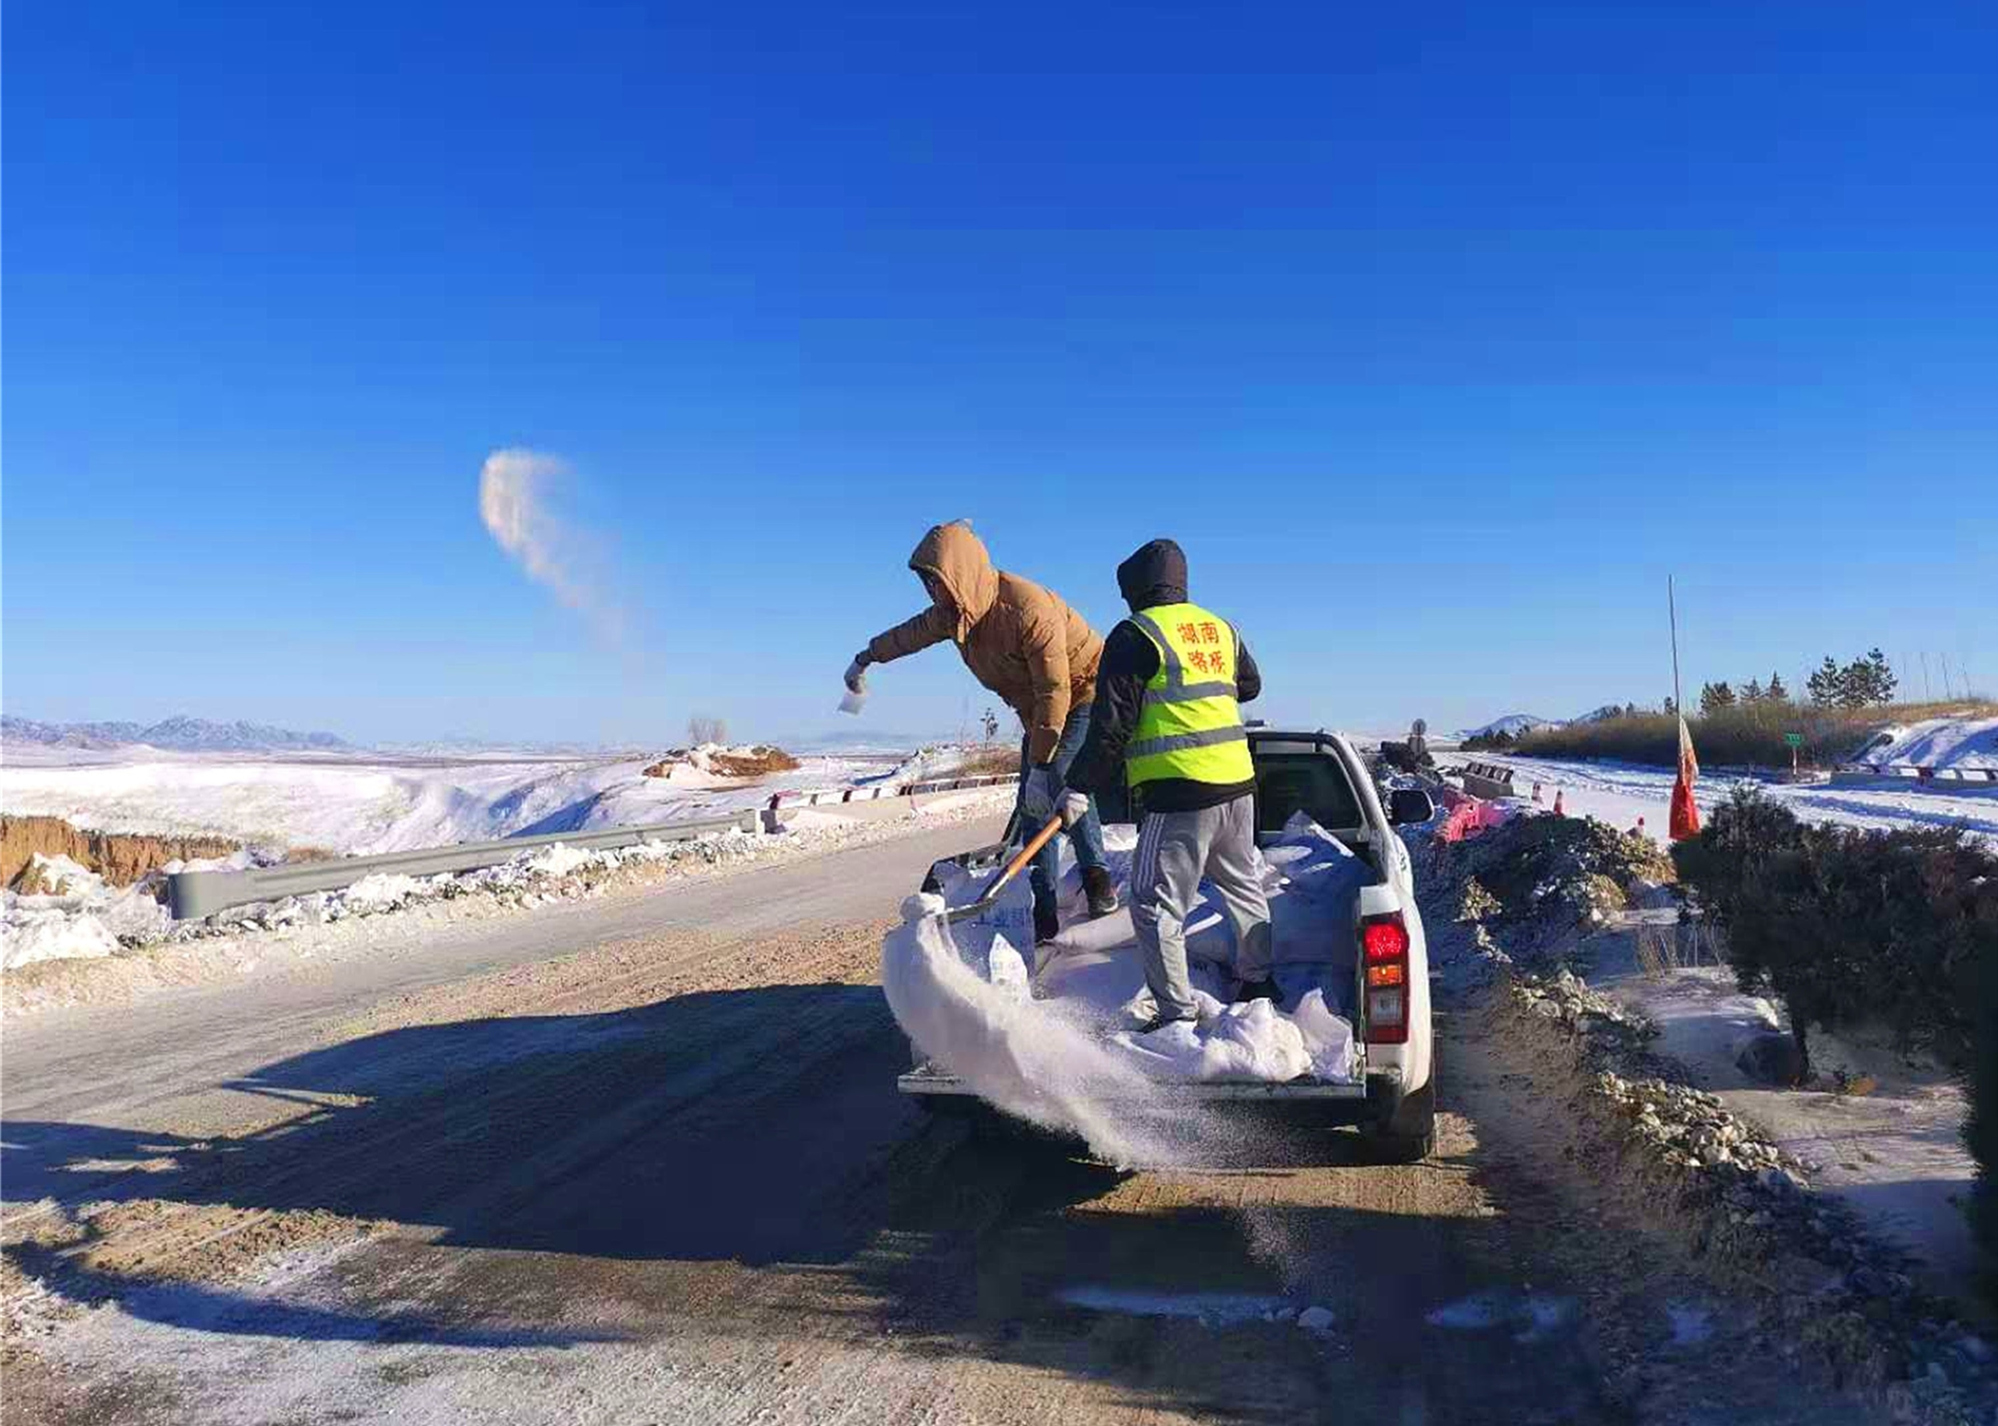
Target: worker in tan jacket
[{"x": 1026, "y": 645}]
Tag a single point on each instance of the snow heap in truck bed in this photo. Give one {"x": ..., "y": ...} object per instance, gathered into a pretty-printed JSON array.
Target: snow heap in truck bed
[{"x": 1057, "y": 1047}]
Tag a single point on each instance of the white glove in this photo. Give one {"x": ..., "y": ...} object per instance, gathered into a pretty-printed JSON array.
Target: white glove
[
  {"x": 1037, "y": 795},
  {"x": 856, "y": 674},
  {"x": 1074, "y": 806}
]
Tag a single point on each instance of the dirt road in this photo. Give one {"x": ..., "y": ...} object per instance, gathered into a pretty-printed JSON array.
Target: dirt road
[{"x": 647, "y": 1163}]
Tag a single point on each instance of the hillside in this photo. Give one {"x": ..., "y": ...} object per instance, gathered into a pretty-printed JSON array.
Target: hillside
[
  {"x": 1513, "y": 723},
  {"x": 180, "y": 733}
]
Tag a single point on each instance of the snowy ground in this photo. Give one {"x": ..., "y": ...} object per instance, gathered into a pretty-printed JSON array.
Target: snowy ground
[
  {"x": 1962, "y": 743},
  {"x": 99, "y": 945},
  {"x": 371, "y": 803},
  {"x": 1620, "y": 793},
  {"x": 1894, "y": 1154},
  {"x": 363, "y": 805}
]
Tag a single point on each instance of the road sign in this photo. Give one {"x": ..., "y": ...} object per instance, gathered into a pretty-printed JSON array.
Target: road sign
[{"x": 1795, "y": 740}]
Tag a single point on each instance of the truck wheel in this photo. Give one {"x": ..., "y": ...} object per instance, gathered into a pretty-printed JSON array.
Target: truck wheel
[{"x": 1410, "y": 1136}]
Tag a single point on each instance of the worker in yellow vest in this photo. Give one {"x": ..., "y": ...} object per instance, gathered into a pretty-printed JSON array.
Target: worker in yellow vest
[{"x": 1167, "y": 722}]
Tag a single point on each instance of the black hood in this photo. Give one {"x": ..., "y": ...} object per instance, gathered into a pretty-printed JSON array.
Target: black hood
[{"x": 1156, "y": 574}]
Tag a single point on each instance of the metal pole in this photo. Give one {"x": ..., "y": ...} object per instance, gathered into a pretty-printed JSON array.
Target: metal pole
[{"x": 1672, "y": 607}]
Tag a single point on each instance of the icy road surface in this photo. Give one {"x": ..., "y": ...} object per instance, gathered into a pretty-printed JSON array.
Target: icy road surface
[{"x": 644, "y": 1161}]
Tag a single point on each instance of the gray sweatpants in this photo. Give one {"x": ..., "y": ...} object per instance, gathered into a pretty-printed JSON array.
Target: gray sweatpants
[{"x": 1175, "y": 849}]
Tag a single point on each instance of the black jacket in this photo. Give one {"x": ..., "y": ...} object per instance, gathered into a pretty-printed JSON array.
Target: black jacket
[{"x": 1155, "y": 575}]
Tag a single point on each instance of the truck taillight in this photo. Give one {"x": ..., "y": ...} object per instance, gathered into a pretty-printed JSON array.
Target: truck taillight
[{"x": 1384, "y": 956}]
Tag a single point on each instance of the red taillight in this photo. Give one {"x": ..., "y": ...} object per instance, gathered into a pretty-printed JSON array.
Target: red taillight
[
  {"x": 1384, "y": 938},
  {"x": 1384, "y": 948}
]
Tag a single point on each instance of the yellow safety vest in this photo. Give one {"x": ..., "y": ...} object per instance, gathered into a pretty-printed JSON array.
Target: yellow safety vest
[{"x": 1191, "y": 726}]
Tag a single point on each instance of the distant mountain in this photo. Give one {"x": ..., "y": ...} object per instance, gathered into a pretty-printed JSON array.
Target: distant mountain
[
  {"x": 1607, "y": 711},
  {"x": 858, "y": 740},
  {"x": 179, "y": 733},
  {"x": 1513, "y": 723}
]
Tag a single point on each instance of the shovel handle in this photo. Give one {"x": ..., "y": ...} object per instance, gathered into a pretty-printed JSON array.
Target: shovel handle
[{"x": 1008, "y": 872}]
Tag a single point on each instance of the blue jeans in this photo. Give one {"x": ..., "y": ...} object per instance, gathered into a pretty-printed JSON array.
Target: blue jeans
[{"x": 1087, "y": 834}]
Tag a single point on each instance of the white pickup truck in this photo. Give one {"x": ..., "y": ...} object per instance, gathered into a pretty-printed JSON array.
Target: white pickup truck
[{"x": 1392, "y": 1096}]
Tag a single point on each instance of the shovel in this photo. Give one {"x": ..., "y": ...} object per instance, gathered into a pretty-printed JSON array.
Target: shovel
[{"x": 990, "y": 896}]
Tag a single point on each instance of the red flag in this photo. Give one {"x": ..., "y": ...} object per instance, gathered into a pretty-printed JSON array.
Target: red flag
[{"x": 1685, "y": 812}]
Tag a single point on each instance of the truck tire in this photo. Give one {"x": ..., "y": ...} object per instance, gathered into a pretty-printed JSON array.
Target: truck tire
[{"x": 1410, "y": 1136}]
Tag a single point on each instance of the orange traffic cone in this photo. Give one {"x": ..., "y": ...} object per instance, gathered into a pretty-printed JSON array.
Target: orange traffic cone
[{"x": 1559, "y": 809}]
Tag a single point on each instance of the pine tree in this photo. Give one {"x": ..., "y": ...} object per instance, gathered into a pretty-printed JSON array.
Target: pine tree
[
  {"x": 1827, "y": 685},
  {"x": 1751, "y": 691},
  {"x": 1777, "y": 693},
  {"x": 1880, "y": 680},
  {"x": 1714, "y": 697}
]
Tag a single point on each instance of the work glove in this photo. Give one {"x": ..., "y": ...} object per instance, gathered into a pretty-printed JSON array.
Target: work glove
[
  {"x": 1074, "y": 806},
  {"x": 1037, "y": 795},
  {"x": 856, "y": 674}
]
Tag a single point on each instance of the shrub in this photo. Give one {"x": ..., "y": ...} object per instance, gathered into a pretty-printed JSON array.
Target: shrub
[
  {"x": 1849, "y": 926},
  {"x": 1735, "y": 734},
  {"x": 1980, "y": 1129}
]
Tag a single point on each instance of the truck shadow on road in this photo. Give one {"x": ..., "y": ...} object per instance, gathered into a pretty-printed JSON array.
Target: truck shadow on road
[{"x": 740, "y": 1159}]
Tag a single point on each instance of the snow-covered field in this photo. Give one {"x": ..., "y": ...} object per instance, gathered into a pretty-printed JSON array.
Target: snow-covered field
[
  {"x": 373, "y": 803},
  {"x": 1942, "y": 743},
  {"x": 125, "y": 934},
  {"x": 1620, "y": 793}
]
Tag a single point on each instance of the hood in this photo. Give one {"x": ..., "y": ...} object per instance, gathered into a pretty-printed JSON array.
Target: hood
[
  {"x": 1156, "y": 574},
  {"x": 959, "y": 561}
]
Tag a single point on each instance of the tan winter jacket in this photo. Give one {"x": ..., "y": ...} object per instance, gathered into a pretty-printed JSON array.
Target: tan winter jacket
[{"x": 1020, "y": 640}]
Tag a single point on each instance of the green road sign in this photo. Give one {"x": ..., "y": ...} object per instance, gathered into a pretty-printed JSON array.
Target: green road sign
[{"x": 1795, "y": 740}]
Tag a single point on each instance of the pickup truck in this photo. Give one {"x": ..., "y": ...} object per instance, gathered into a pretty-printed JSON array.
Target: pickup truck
[{"x": 1392, "y": 1097}]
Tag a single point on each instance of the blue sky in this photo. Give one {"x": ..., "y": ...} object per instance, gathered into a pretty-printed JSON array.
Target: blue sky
[{"x": 1437, "y": 339}]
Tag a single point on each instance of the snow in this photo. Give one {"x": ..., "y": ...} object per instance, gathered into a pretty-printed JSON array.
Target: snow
[
  {"x": 333, "y": 925},
  {"x": 370, "y": 804},
  {"x": 1963, "y": 743},
  {"x": 1514, "y": 723},
  {"x": 47, "y": 934},
  {"x": 1620, "y": 793},
  {"x": 1894, "y": 1155},
  {"x": 1212, "y": 1309}
]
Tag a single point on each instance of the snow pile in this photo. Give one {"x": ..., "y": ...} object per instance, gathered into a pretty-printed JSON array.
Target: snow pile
[
  {"x": 69, "y": 913},
  {"x": 382, "y": 892},
  {"x": 33, "y": 934},
  {"x": 1936, "y": 742}
]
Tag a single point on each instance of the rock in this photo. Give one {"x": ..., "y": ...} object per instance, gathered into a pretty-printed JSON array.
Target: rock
[
  {"x": 1781, "y": 1180},
  {"x": 1316, "y": 1319},
  {"x": 1771, "y": 1058}
]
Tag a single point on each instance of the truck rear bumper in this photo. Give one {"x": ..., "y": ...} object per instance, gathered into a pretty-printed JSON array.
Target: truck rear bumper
[{"x": 1373, "y": 1101}]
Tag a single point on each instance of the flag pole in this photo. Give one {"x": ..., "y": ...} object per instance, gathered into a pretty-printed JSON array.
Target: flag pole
[{"x": 1672, "y": 608}]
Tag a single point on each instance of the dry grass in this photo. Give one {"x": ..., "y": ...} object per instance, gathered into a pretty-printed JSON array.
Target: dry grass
[
  {"x": 759, "y": 761},
  {"x": 754, "y": 762},
  {"x": 1747, "y": 735},
  {"x": 991, "y": 760}
]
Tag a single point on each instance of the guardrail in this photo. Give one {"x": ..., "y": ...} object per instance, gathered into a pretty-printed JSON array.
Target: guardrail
[
  {"x": 1918, "y": 772},
  {"x": 203, "y": 893},
  {"x": 822, "y": 797}
]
